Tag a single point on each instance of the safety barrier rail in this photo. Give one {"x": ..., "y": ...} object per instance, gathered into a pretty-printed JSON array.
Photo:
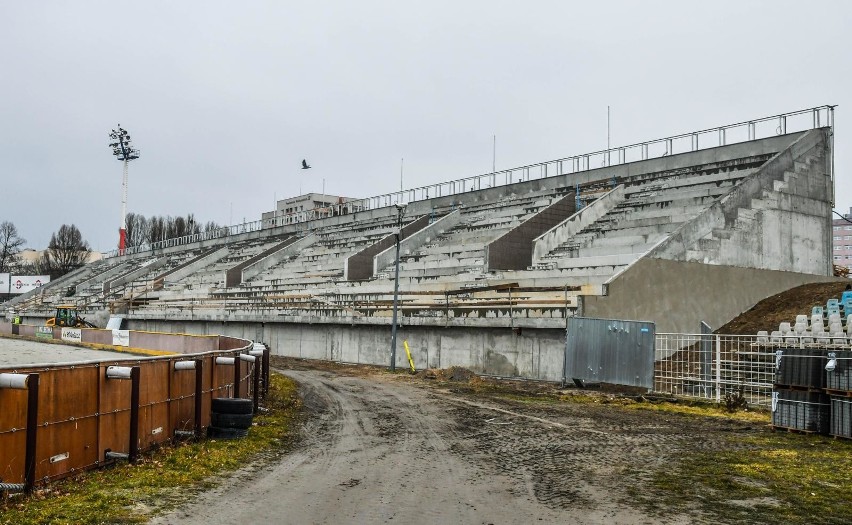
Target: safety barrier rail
[{"x": 794, "y": 121}]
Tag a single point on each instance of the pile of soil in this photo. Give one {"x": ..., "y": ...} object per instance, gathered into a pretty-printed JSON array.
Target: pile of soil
[
  {"x": 454, "y": 373},
  {"x": 783, "y": 307}
]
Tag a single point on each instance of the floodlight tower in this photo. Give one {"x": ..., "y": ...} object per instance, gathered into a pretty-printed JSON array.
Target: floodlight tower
[{"x": 124, "y": 152}]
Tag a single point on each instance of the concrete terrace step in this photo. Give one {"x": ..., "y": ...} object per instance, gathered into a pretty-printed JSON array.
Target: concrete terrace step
[
  {"x": 628, "y": 249},
  {"x": 696, "y": 195},
  {"x": 606, "y": 260},
  {"x": 685, "y": 182}
]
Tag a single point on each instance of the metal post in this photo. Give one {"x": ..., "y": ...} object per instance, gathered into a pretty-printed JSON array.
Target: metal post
[
  {"x": 134, "y": 414},
  {"x": 494, "y": 157},
  {"x": 199, "y": 383},
  {"x": 398, "y": 234},
  {"x": 256, "y": 385},
  {"x": 718, "y": 369},
  {"x": 32, "y": 433},
  {"x": 266, "y": 353},
  {"x": 237, "y": 375}
]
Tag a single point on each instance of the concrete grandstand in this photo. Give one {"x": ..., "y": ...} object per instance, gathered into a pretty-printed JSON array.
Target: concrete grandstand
[{"x": 492, "y": 266}]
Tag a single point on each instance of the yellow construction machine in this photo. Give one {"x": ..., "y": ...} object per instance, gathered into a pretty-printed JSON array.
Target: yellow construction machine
[{"x": 66, "y": 315}]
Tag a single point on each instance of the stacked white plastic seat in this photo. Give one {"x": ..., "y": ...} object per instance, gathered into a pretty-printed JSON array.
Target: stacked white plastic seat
[{"x": 838, "y": 337}]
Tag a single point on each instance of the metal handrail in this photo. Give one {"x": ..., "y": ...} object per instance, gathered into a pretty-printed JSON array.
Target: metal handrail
[{"x": 822, "y": 116}]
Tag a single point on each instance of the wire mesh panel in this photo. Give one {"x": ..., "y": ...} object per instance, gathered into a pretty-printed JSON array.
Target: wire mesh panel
[{"x": 711, "y": 366}]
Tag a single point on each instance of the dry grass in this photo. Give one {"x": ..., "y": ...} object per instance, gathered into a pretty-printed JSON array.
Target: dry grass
[{"x": 764, "y": 478}]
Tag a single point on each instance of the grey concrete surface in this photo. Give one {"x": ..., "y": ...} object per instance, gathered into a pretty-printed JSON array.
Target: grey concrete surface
[
  {"x": 534, "y": 354},
  {"x": 778, "y": 219},
  {"x": 414, "y": 241},
  {"x": 686, "y": 293},
  {"x": 17, "y": 352},
  {"x": 290, "y": 247},
  {"x": 206, "y": 258},
  {"x": 549, "y": 240}
]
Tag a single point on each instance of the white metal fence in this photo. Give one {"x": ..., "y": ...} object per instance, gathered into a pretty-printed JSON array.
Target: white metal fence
[{"x": 709, "y": 366}]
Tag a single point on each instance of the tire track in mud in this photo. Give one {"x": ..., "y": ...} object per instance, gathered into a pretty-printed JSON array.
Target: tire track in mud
[{"x": 376, "y": 450}]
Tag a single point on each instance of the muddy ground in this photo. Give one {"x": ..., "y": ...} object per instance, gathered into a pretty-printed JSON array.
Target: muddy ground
[{"x": 382, "y": 448}]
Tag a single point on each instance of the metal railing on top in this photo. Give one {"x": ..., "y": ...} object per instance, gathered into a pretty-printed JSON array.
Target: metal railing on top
[{"x": 794, "y": 121}]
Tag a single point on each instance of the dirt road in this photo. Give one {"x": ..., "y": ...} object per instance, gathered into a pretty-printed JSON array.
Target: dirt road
[{"x": 377, "y": 449}]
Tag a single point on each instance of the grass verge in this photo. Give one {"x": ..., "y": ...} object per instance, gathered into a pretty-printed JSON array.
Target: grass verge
[
  {"x": 759, "y": 476},
  {"x": 764, "y": 478},
  {"x": 134, "y": 493}
]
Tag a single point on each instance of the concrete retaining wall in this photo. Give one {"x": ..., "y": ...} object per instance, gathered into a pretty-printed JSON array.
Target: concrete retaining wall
[
  {"x": 131, "y": 276},
  {"x": 678, "y": 295},
  {"x": 514, "y": 249},
  {"x": 276, "y": 255},
  {"x": 562, "y": 232},
  {"x": 193, "y": 265},
  {"x": 360, "y": 266},
  {"x": 781, "y": 232},
  {"x": 416, "y": 240},
  {"x": 234, "y": 275},
  {"x": 99, "y": 277},
  {"x": 533, "y": 354}
]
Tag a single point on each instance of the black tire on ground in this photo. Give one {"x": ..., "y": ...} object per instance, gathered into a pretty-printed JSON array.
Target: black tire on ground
[
  {"x": 226, "y": 433},
  {"x": 227, "y": 405},
  {"x": 231, "y": 420}
]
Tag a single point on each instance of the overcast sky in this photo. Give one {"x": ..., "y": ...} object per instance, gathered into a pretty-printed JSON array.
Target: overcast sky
[{"x": 224, "y": 99}]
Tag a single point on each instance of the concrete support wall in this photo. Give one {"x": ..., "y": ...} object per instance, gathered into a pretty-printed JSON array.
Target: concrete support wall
[
  {"x": 276, "y": 255},
  {"x": 416, "y": 240},
  {"x": 514, "y": 249},
  {"x": 99, "y": 277},
  {"x": 360, "y": 266},
  {"x": 234, "y": 276},
  {"x": 131, "y": 276},
  {"x": 678, "y": 295},
  {"x": 562, "y": 232},
  {"x": 269, "y": 258},
  {"x": 208, "y": 257},
  {"x": 533, "y": 354},
  {"x": 778, "y": 218}
]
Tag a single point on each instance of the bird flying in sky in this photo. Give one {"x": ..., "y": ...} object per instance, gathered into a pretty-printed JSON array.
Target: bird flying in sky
[{"x": 305, "y": 165}]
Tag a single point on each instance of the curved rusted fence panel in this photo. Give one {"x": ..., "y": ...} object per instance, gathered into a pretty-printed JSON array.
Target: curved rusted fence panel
[{"x": 83, "y": 413}]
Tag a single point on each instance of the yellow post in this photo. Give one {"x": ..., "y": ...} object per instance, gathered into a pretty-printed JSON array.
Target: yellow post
[{"x": 408, "y": 353}]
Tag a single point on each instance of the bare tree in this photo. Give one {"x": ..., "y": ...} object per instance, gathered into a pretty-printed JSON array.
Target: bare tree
[
  {"x": 159, "y": 228},
  {"x": 10, "y": 245},
  {"x": 156, "y": 229},
  {"x": 137, "y": 230},
  {"x": 66, "y": 251},
  {"x": 141, "y": 230}
]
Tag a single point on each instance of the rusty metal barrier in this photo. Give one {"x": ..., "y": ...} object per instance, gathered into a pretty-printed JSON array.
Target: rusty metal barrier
[{"x": 57, "y": 420}]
